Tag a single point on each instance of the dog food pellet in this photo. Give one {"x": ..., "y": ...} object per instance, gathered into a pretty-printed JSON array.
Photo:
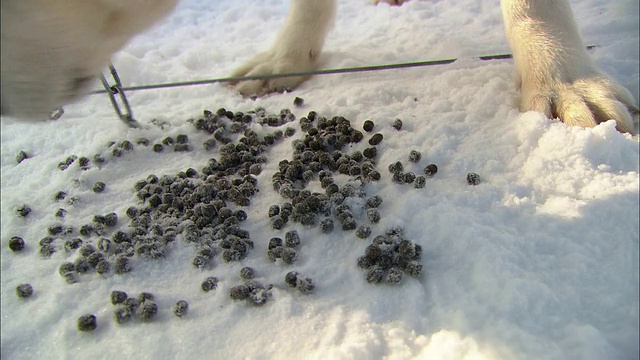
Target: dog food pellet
[
  {"x": 66, "y": 268},
  {"x": 210, "y": 283},
  {"x": 87, "y": 323},
  {"x": 239, "y": 292},
  {"x": 375, "y": 139},
  {"x": 24, "y": 290},
  {"x": 370, "y": 153},
  {"x": 247, "y": 273},
  {"x": 363, "y": 231},
  {"x": 396, "y": 167},
  {"x": 147, "y": 310},
  {"x": 118, "y": 297},
  {"x": 21, "y": 156},
  {"x": 122, "y": 314},
  {"x": 292, "y": 238},
  {"x": 181, "y": 308},
  {"x": 430, "y": 170},
  {"x": 415, "y": 156},
  {"x": 368, "y": 125},
  {"x": 473, "y": 179},
  {"x": 99, "y": 187},
  {"x": 16, "y": 243},
  {"x": 24, "y": 210}
]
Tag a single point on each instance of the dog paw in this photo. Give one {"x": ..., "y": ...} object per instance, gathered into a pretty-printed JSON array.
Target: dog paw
[
  {"x": 586, "y": 101},
  {"x": 272, "y": 63}
]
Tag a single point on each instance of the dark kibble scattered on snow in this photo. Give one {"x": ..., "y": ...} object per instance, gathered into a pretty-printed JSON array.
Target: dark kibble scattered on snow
[
  {"x": 247, "y": 273},
  {"x": 181, "y": 308},
  {"x": 103, "y": 267},
  {"x": 99, "y": 187},
  {"x": 64, "y": 165},
  {"x": 430, "y": 170},
  {"x": 126, "y": 145},
  {"x": 292, "y": 238},
  {"x": 291, "y": 278},
  {"x": 368, "y": 125},
  {"x": 396, "y": 167},
  {"x": 370, "y": 153},
  {"x": 21, "y": 156},
  {"x": 87, "y": 323},
  {"x": 121, "y": 265},
  {"x": 84, "y": 163},
  {"x": 147, "y": 310},
  {"x": 210, "y": 283},
  {"x": 110, "y": 219},
  {"x": 66, "y": 268},
  {"x": 24, "y": 290},
  {"x": 46, "y": 240},
  {"x": 389, "y": 256},
  {"x": 473, "y": 179},
  {"x": 55, "y": 230},
  {"x": 60, "y": 195},
  {"x": 122, "y": 314},
  {"x": 375, "y": 139},
  {"x": 118, "y": 297},
  {"x": 239, "y": 292},
  {"x": 168, "y": 141},
  {"x": 397, "y": 124},
  {"x": 363, "y": 231},
  {"x": 415, "y": 156},
  {"x": 16, "y": 243},
  {"x": 24, "y": 210},
  {"x": 182, "y": 139},
  {"x": 47, "y": 250},
  {"x": 409, "y": 177},
  {"x": 305, "y": 285},
  {"x": 200, "y": 207},
  {"x": 298, "y": 101}
]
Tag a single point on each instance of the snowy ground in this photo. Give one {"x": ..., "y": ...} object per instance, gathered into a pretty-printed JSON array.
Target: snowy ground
[{"x": 538, "y": 261}]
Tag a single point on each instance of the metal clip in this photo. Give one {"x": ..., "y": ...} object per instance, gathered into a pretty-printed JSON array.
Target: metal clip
[{"x": 112, "y": 90}]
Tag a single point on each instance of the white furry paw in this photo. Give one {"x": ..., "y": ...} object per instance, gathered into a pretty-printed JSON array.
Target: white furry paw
[
  {"x": 584, "y": 102},
  {"x": 271, "y": 63}
]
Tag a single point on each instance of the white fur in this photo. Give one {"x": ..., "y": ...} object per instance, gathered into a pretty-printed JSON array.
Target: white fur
[
  {"x": 296, "y": 49},
  {"x": 554, "y": 71},
  {"x": 49, "y": 49}
]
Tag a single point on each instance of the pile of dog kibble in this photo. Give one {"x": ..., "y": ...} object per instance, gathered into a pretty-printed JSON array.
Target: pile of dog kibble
[{"x": 205, "y": 208}]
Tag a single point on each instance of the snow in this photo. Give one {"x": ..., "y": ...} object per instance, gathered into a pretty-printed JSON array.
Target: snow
[{"x": 539, "y": 261}]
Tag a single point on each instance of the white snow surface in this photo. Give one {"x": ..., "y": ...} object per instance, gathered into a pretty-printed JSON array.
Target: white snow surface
[{"x": 539, "y": 261}]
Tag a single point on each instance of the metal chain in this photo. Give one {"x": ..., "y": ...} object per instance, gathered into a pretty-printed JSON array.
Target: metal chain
[
  {"x": 310, "y": 73},
  {"x": 117, "y": 89},
  {"x": 127, "y": 115}
]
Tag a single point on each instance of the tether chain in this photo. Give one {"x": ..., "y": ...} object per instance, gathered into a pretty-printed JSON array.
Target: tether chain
[
  {"x": 117, "y": 89},
  {"x": 127, "y": 115}
]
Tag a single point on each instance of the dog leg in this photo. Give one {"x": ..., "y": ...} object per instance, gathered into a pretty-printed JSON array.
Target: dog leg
[
  {"x": 554, "y": 71},
  {"x": 296, "y": 49}
]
